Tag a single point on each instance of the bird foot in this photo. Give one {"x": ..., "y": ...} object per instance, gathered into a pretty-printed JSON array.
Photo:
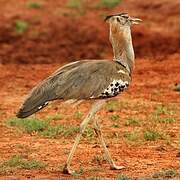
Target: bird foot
[
  {"x": 115, "y": 167},
  {"x": 67, "y": 170}
]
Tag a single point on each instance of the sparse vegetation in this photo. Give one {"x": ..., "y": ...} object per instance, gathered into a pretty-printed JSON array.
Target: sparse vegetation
[
  {"x": 166, "y": 119},
  {"x": 162, "y": 110},
  {"x": 54, "y": 117},
  {"x": 109, "y": 3},
  {"x": 131, "y": 136},
  {"x": 93, "y": 178},
  {"x": 34, "y": 5},
  {"x": 74, "y": 3},
  {"x": 70, "y": 131},
  {"x": 115, "y": 126},
  {"x": 21, "y": 26},
  {"x": 20, "y": 162},
  {"x": 132, "y": 121},
  {"x": 122, "y": 177},
  {"x": 152, "y": 135},
  {"x": 111, "y": 106},
  {"x": 89, "y": 133},
  {"x": 29, "y": 125},
  {"x": 114, "y": 117},
  {"x": 53, "y": 131},
  {"x": 99, "y": 159},
  {"x": 78, "y": 115},
  {"x": 168, "y": 173}
]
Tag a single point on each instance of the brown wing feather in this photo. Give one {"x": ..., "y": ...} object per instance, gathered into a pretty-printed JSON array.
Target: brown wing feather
[{"x": 79, "y": 80}]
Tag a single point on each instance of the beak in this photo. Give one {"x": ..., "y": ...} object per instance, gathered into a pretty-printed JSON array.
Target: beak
[{"x": 135, "y": 20}]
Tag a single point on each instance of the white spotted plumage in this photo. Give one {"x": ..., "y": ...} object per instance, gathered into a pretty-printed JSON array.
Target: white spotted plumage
[{"x": 115, "y": 87}]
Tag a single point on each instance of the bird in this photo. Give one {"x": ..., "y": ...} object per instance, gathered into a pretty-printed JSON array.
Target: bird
[{"x": 94, "y": 80}]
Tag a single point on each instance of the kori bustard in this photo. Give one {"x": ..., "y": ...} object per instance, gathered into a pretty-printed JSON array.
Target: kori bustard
[{"x": 95, "y": 80}]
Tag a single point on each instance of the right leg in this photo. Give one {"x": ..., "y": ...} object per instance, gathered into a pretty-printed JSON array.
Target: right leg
[
  {"x": 101, "y": 139},
  {"x": 95, "y": 107}
]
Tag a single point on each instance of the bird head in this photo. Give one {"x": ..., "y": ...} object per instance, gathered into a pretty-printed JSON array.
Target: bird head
[{"x": 122, "y": 20}]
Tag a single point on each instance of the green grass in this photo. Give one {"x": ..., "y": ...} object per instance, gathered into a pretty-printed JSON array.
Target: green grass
[
  {"x": 53, "y": 131},
  {"x": 152, "y": 135},
  {"x": 34, "y": 5},
  {"x": 99, "y": 159},
  {"x": 29, "y": 125},
  {"x": 122, "y": 177},
  {"x": 54, "y": 117},
  {"x": 19, "y": 162},
  {"x": 162, "y": 110},
  {"x": 168, "y": 173},
  {"x": 109, "y": 3},
  {"x": 132, "y": 121},
  {"x": 165, "y": 119},
  {"x": 78, "y": 115},
  {"x": 131, "y": 136},
  {"x": 89, "y": 133},
  {"x": 44, "y": 128},
  {"x": 60, "y": 130},
  {"x": 114, "y": 117},
  {"x": 115, "y": 126},
  {"x": 70, "y": 131},
  {"x": 111, "y": 106},
  {"x": 21, "y": 26},
  {"x": 74, "y": 3},
  {"x": 93, "y": 178}
]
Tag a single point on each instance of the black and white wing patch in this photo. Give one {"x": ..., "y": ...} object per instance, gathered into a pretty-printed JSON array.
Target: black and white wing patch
[{"x": 115, "y": 87}]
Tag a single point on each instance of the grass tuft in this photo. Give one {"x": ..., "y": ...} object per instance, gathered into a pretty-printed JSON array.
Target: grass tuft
[
  {"x": 115, "y": 126},
  {"x": 78, "y": 115},
  {"x": 162, "y": 110},
  {"x": 111, "y": 106},
  {"x": 99, "y": 159},
  {"x": 21, "y": 27},
  {"x": 152, "y": 135},
  {"x": 19, "y": 162},
  {"x": 30, "y": 125},
  {"x": 131, "y": 136},
  {"x": 168, "y": 173},
  {"x": 93, "y": 178},
  {"x": 34, "y": 5},
  {"x": 70, "y": 131},
  {"x": 54, "y": 117},
  {"x": 53, "y": 131},
  {"x": 109, "y": 3},
  {"x": 132, "y": 121},
  {"x": 122, "y": 177},
  {"x": 166, "y": 119},
  {"x": 114, "y": 117},
  {"x": 89, "y": 133},
  {"x": 74, "y": 3}
]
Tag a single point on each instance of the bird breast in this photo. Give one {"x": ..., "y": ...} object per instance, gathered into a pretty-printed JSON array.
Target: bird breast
[{"x": 115, "y": 87}]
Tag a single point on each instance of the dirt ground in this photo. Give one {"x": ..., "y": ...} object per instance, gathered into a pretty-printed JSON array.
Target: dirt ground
[{"x": 57, "y": 34}]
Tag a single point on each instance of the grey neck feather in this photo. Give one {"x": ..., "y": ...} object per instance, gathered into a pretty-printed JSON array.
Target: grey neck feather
[{"x": 123, "y": 47}]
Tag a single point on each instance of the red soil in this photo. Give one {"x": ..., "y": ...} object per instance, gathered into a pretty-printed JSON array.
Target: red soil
[{"x": 57, "y": 35}]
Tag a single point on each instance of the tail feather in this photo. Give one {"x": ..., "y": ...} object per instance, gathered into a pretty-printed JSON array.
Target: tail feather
[
  {"x": 23, "y": 113},
  {"x": 36, "y": 100}
]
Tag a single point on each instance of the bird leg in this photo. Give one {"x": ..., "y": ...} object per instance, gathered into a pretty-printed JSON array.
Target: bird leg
[
  {"x": 95, "y": 107},
  {"x": 101, "y": 139}
]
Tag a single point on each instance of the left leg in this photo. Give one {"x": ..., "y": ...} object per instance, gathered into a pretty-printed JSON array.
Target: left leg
[
  {"x": 101, "y": 139},
  {"x": 95, "y": 107}
]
